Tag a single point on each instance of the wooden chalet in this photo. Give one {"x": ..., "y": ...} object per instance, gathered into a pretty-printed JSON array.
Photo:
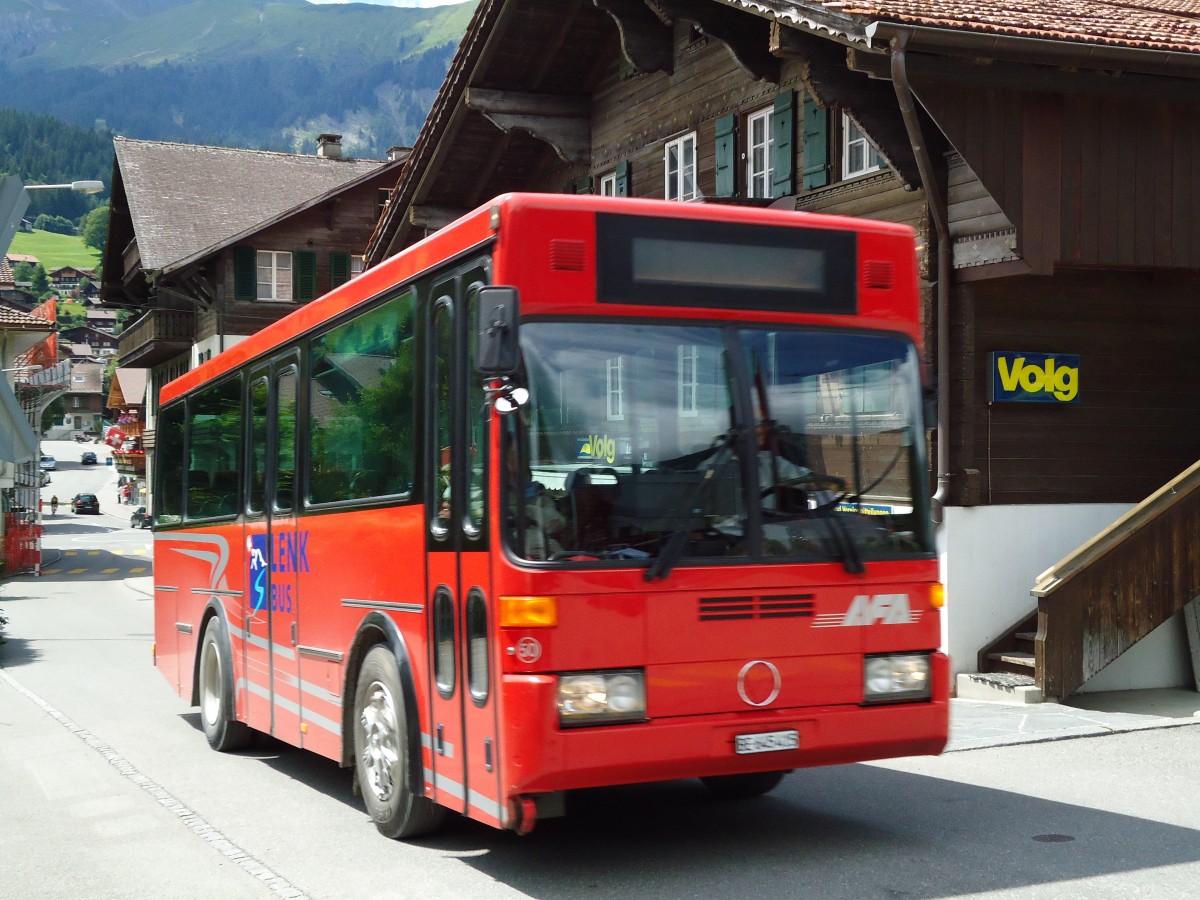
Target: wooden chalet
[
  {"x": 1048, "y": 155},
  {"x": 207, "y": 245}
]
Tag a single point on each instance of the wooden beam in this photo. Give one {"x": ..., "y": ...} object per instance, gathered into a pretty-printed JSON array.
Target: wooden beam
[
  {"x": 520, "y": 103},
  {"x": 647, "y": 43},
  {"x": 747, "y": 37},
  {"x": 433, "y": 217},
  {"x": 563, "y": 122}
]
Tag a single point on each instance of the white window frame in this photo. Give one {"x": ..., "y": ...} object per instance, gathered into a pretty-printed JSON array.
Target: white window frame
[
  {"x": 615, "y": 367},
  {"x": 689, "y": 380},
  {"x": 274, "y": 275},
  {"x": 759, "y": 170},
  {"x": 859, "y": 156},
  {"x": 608, "y": 184},
  {"x": 679, "y": 175}
]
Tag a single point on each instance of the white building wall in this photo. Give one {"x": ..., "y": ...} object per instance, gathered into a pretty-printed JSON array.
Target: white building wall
[{"x": 992, "y": 555}]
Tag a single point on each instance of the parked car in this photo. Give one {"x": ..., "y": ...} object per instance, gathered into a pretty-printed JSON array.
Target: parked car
[
  {"x": 48, "y": 463},
  {"x": 141, "y": 518},
  {"x": 88, "y": 458},
  {"x": 82, "y": 503}
]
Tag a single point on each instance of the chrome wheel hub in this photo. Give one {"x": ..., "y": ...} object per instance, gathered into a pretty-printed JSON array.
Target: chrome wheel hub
[{"x": 381, "y": 742}]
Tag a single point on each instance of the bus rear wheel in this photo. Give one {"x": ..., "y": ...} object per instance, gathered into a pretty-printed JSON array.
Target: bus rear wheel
[
  {"x": 381, "y": 751},
  {"x": 221, "y": 727},
  {"x": 741, "y": 787}
]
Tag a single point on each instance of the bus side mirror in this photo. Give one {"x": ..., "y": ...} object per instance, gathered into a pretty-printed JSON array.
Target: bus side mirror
[{"x": 496, "y": 348}]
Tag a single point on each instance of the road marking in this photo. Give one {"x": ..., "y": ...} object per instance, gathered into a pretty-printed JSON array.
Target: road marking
[
  {"x": 231, "y": 851},
  {"x": 108, "y": 571},
  {"x": 51, "y": 571},
  {"x": 93, "y": 553},
  {"x": 77, "y": 571},
  {"x": 138, "y": 569},
  {"x": 71, "y": 552}
]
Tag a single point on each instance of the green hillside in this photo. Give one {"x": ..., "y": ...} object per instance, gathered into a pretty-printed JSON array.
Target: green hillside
[
  {"x": 55, "y": 250},
  {"x": 236, "y": 73},
  {"x": 209, "y": 31}
]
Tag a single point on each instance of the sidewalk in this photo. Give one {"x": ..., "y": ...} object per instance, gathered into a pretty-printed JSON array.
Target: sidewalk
[{"x": 975, "y": 724}]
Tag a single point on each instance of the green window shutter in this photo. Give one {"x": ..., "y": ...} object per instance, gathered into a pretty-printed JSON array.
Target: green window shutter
[
  {"x": 783, "y": 145},
  {"x": 339, "y": 268},
  {"x": 305, "y": 285},
  {"x": 245, "y": 273},
  {"x": 726, "y": 156},
  {"x": 816, "y": 145},
  {"x": 623, "y": 178},
  {"x": 582, "y": 185}
]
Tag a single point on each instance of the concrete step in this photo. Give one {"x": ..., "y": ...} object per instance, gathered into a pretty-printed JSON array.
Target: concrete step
[{"x": 1000, "y": 687}]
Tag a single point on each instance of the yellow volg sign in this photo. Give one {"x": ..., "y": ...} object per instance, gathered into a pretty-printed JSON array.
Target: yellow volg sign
[{"x": 1034, "y": 377}]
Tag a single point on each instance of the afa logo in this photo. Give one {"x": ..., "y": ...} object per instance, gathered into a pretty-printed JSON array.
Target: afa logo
[{"x": 871, "y": 609}]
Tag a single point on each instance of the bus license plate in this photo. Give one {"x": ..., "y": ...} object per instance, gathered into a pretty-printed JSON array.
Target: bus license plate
[{"x": 766, "y": 742}]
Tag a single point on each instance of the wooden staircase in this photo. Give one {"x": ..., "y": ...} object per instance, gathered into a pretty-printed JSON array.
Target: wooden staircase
[{"x": 1108, "y": 594}]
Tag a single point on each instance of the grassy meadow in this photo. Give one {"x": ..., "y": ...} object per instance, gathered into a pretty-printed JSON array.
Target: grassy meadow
[{"x": 55, "y": 250}]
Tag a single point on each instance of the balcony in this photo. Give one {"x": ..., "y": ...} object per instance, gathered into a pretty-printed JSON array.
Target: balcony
[{"x": 159, "y": 335}]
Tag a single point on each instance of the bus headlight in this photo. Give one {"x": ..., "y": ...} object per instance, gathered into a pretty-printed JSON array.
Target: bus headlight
[
  {"x": 901, "y": 676},
  {"x": 601, "y": 698}
]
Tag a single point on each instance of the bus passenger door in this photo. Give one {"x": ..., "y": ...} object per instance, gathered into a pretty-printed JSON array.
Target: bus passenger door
[
  {"x": 276, "y": 552},
  {"x": 463, "y": 742}
]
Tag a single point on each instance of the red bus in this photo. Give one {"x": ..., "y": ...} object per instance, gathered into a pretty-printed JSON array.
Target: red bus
[{"x": 576, "y": 492}]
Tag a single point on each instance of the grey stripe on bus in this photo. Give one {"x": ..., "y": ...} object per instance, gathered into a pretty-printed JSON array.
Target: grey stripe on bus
[
  {"x": 293, "y": 707},
  {"x": 384, "y": 605}
]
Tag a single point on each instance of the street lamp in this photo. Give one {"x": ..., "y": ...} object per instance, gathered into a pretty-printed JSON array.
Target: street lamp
[
  {"x": 14, "y": 200},
  {"x": 81, "y": 187}
]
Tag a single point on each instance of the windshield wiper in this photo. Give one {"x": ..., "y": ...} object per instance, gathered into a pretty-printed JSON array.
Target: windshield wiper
[{"x": 676, "y": 542}]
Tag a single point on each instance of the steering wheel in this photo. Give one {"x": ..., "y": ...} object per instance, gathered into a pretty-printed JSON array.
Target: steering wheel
[{"x": 814, "y": 481}]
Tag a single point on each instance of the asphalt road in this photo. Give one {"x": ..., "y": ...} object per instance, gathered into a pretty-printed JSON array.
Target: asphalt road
[{"x": 108, "y": 789}]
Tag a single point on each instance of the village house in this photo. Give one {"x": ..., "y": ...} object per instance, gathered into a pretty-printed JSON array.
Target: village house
[{"x": 207, "y": 245}]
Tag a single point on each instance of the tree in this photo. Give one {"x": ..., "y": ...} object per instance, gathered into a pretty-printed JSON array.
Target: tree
[
  {"x": 39, "y": 280},
  {"x": 94, "y": 230}
]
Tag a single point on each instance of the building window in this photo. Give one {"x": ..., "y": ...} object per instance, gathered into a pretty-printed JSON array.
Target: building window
[
  {"x": 679, "y": 168},
  {"x": 689, "y": 365},
  {"x": 608, "y": 185},
  {"x": 858, "y": 156},
  {"x": 616, "y": 399},
  {"x": 758, "y": 153},
  {"x": 274, "y": 275}
]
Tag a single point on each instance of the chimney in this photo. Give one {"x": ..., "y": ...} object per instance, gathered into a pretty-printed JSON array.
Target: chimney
[
  {"x": 329, "y": 146},
  {"x": 396, "y": 154}
]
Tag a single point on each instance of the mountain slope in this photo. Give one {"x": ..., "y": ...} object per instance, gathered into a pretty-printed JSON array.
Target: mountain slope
[{"x": 234, "y": 72}]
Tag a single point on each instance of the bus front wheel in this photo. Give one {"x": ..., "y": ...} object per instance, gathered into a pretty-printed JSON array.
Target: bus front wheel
[
  {"x": 381, "y": 751},
  {"x": 221, "y": 727},
  {"x": 740, "y": 787}
]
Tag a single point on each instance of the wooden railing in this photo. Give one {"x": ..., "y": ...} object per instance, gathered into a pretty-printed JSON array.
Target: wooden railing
[
  {"x": 1118, "y": 587},
  {"x": 170, "y": 328}
]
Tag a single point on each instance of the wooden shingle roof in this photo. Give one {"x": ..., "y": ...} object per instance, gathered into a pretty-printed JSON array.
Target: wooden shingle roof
[{"x": 187, "y": 200}]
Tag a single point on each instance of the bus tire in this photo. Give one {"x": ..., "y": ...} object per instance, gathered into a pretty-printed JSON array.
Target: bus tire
[
  {"x": 221, "y": 727},
  {"x": 381, "y": 751},
  {"x": 741, "y": 787}
]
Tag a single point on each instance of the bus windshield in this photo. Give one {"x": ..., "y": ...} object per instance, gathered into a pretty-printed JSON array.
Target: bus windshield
[{"x": 666, "y": 442}]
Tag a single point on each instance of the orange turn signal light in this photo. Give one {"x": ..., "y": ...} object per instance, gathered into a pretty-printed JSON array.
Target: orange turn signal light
[
  {"x": 528, "y": 612},
  {"x": 937, "y": 595}
]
